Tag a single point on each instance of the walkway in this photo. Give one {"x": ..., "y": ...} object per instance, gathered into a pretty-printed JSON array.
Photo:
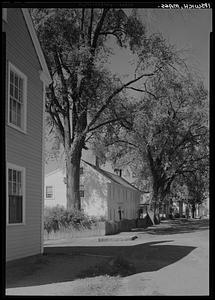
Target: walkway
[{"x": 168, "y": 259}]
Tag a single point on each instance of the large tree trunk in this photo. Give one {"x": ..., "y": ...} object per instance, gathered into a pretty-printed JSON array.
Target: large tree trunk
[
  {"x": 73, "y": 179},
  {"x": 155, "y": 201},
  {"x": 193, "y": 210},
  {"x": 181, "y": 208}
]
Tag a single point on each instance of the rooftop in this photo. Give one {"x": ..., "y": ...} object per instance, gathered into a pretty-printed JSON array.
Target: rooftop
[{"x": 113, "y": 177}]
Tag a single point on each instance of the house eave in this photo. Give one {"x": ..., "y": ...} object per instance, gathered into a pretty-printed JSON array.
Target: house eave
[{"x": 45, "y": 75}]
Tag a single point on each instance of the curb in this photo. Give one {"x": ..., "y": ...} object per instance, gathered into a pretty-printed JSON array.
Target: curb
[{"x": 117, "y": 239}]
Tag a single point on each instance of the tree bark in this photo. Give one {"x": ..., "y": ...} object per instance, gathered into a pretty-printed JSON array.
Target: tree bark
[
  {"x": 193, "y": 210},
  {"x": 73, "y": 179},
  {"x": 181, "y": 208}
]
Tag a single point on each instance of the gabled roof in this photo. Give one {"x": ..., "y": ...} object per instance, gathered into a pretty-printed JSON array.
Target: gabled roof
[
  {"x": 45, "y": 75},
  {"x": 54, "y": 166},
  {"x": 53, "y": 172},
  {"x": 113, "y": 177}
]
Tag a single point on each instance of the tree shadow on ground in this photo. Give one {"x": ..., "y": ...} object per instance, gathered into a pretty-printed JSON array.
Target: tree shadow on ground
[
  {"x": 178, "y": 226},
  {"x": 61, "y": 264}
]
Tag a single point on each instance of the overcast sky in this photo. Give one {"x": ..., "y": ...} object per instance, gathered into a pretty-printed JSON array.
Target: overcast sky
[{"x": 186, "y": 29}]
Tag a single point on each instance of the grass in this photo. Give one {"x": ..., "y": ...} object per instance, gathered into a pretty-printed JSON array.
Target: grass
[{"x": 97, "y": 286}]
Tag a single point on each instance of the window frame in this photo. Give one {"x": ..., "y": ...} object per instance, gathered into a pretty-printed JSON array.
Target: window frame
[
  {"x": 22, "y": 129},
  {"x": 53, "y": 196},
  {"x": 23, "y": 174}
]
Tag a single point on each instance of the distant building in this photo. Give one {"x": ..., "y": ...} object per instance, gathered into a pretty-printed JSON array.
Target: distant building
[{"x": 103, "y": 193}]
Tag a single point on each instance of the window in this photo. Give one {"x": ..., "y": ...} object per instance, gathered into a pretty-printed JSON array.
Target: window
[
  {"x": 49, "y": 192},
  {"x": 16, "y": 192},
  {"x": 81, "y": 171},
  {"x": 17, "y": 98},
  {"x": 81, "y": 190}
]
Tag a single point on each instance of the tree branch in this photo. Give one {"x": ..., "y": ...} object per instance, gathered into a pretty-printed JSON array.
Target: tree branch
[
  {"x": 54, "y": 99},
  {"x": 114, "y": 33},
  {"x": 90, "y": 28},
  {"x": 98, "y": 28},
  {"x": 56, "y": 119},
  {"x": 105, "y": 123},
  {"x": 91, "y": 135},
  {"x": 109, "y": 99},
  {"x": 143, "y": 91},
  {"x": 121, "y": 141},
  {"x": 67, "y": 131},
  {"x": 82, "y": 23}
]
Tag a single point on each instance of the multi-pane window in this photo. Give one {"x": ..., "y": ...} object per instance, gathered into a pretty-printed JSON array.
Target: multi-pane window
[
  {"x": 81, "y": 190},
  {"x": 15, "y": 195},
  {"x": 17, "y": 85},
  {"x": 49, "y": 192}
]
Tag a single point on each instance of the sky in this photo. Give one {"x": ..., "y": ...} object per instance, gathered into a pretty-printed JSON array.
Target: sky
[{"x": 186, "y": 29}]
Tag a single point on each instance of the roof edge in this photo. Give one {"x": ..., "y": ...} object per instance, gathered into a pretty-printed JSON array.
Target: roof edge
[
  {"x": 54, "y": 171},
  {"x": 45, "y": 74},
  {"x": 106, "y": 175}
]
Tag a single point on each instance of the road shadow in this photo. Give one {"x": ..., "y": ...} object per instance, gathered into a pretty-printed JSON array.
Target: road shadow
[
  {"x": 61, "y": 264},
  {"x": 178, "y": 226}
]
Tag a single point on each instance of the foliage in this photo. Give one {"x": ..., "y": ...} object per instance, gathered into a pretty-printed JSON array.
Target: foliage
[
  {"x": 84, "y": 96},
  {"x": 168, "y": 139},
  {"x": 58, "y": 217}
]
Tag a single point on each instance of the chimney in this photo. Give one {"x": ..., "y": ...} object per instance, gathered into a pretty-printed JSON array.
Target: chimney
[{"x": 118, "y": 172}]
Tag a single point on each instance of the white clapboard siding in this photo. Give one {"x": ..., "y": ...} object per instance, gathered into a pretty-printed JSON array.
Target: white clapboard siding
[
  {"x": 25, "y": 149},
  {"x": 125, "y": 198}
]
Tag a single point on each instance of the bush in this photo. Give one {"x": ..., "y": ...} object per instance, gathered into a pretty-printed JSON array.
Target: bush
[{"x": 58, "y": 217}]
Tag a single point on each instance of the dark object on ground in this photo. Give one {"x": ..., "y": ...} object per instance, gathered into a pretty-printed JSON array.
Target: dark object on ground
[{"x": 177, "y": 215}]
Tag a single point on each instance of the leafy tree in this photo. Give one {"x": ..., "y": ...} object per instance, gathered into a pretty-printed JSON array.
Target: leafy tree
[
  {"x": 84, "y": 95},
  {"x": 168, "y": 139}
]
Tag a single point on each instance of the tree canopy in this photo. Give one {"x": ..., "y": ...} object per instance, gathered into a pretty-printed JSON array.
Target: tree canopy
[
  {"x": 167, "y": 141},
  {"x": 84, "y": 95}
]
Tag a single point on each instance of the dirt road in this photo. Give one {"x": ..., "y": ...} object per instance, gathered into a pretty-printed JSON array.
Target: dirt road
[{"x": 171, "y": 258}]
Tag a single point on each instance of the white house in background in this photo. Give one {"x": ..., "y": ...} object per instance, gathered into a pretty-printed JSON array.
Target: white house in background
[
  {"x": 26, "y": 78},
  {"x": 102, "y": 193}
]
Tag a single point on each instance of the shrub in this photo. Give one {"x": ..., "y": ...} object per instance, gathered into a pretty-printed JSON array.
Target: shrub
[{"x": 58, "y": 217}]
